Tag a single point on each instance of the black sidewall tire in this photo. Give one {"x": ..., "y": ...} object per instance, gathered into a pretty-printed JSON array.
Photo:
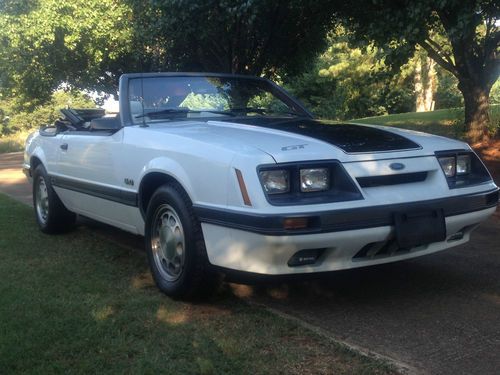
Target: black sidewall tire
[
  {"x": 59, "y": 219},
  {"x": 189, "y": 282}
]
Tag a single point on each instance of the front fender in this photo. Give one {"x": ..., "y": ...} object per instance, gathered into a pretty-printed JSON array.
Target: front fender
[
  {"x": 169, "y": 168},
  {"x": 30, "y": 156},
  {"x": 204, "y": 180}
]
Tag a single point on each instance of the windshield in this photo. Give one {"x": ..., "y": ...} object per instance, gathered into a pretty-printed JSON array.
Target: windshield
[{"x": 177, "y": 97}]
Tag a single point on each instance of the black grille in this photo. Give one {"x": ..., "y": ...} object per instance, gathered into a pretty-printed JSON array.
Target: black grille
[{"x": 392, "y": 179}]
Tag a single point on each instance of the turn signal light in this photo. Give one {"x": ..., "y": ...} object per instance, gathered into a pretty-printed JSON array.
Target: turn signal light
[{"x": 295, "y": 223}]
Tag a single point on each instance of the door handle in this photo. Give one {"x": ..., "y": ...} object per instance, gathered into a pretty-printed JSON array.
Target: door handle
[{"x": 64, "y": 146}]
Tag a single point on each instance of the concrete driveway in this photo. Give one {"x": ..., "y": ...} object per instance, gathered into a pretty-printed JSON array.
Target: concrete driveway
[{"x": 438, "y": 314}]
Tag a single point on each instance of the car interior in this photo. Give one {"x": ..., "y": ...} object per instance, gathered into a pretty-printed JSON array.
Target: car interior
[{"x": 83, "y": 120}]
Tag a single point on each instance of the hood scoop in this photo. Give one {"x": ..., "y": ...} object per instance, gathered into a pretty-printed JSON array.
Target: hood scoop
[{"x": 350, "y": 138}]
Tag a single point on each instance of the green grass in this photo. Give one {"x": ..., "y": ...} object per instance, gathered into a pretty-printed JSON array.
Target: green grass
[
  {"x": 79, "y": 303},
  {"x": 445, "y": 122},
  {"x": 13, "y": 142}
]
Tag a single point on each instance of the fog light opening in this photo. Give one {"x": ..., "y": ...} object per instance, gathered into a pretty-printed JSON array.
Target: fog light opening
[
  {"x": 456, "y": 237},
  {"x": 305, "y": 257}
]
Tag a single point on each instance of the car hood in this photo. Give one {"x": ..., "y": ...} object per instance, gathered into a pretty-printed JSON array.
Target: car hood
[
  {"x": 349, "y": 138},
  {"x": 295, "y": 139}
]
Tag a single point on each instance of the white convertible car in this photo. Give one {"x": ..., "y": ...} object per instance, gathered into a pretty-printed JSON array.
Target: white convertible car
[{"x": 229, "y": 172}]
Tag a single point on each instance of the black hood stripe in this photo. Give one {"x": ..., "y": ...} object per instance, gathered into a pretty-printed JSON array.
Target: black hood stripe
[{"x": 348, "y": 137}]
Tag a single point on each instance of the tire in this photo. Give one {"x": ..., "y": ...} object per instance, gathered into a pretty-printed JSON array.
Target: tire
[
  {"x": 51, "y": 215},
  {"x": 174, "y": 244}
]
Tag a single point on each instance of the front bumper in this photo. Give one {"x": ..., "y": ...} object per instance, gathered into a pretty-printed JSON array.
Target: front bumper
[
  {"x": 259, "y": 244},
  {"x": 26, "y": 170}
]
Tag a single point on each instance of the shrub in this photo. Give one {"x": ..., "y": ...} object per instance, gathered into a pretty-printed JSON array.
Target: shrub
[{"x": 14, "y": 118}]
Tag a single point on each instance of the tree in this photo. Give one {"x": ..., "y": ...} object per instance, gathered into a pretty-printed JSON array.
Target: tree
[
  {"x": 346, "y": 83},
  {"x": 468, "y": 46},
  {"x": 14, "y": 119},
  {"x": 84, "y": 44},
  {"x": 425, "y": 79},
  {"x": 233, "y": 36},
  {"x": 87, "y": 44}
]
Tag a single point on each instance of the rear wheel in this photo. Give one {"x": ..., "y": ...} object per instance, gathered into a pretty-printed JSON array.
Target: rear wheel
[
  {"x": 174, "y": 244},
  {"x": 50, "y": 213}
]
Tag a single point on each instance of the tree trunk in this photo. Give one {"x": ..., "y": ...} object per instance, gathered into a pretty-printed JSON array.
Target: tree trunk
[
  {"x": 477, "y": 118},
  {"x": 425, "y": 83},
  {"x": 430, "y": 84},
  {"x": 419, "y": 87}
]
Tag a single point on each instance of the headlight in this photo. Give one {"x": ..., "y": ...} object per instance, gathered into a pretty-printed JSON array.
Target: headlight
[
  {"x": 459, "y": 165},
  {"x": 314, "y": 179},
  {"x": 309, "y": 182},
  {"x": 448, "y": 165},
  {"x": 275, "y": 181},
  {"x": 462, "y": 168},
  {"x": 463, "y": 164}
]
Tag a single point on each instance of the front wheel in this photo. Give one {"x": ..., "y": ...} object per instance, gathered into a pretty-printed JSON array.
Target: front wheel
[
  {"x": 50, "y": 213},
  {"x": 174, "y": 244}
]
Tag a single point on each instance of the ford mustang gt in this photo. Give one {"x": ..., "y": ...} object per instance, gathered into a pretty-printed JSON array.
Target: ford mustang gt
[{"x": 230, "y": 172}]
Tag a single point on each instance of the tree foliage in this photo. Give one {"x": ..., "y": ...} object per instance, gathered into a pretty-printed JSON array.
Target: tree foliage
[
  {"x": 87, "y": 44},
  {"x": 14, "y": 119},
  {"x": 468, "y": 47},
  {"x": 347, "y": 82},
  {"x": 44, "y": 43},
  {"x": 233, "y": 36}
]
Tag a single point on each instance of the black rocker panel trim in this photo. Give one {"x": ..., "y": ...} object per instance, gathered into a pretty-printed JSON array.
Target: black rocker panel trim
[
  {"x": 113, "y": 194},
  {"x": 345, "y": 219}
]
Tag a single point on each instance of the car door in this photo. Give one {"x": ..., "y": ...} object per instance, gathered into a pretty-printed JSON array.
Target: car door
[
  {"x": 49, "y": 141},
  {"x": 88, "y": 176}
]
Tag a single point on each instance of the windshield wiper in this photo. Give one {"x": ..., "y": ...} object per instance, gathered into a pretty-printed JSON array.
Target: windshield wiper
[
  {"x": 232, "y": 112},
  {"x": 180, "y": 111},
  {"x": 260, "y": 111},
  {"x": 263, "y": 111}
]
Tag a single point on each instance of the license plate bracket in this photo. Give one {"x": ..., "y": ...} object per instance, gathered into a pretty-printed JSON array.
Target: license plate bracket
[{"x": 419, "y": 227}]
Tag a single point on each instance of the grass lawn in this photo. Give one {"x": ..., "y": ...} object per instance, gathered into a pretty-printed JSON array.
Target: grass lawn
[
  {"x": 445, "y": 122},
  {"x": 79, "y": 303}
]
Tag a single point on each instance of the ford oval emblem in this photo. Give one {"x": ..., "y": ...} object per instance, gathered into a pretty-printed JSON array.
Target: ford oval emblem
[{"x": 397, "y": 166}]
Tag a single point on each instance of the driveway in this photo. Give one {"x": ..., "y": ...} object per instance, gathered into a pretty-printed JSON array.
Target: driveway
[
  {"x": 438, "y": 314},
  {"x": 12, "y": 181}
]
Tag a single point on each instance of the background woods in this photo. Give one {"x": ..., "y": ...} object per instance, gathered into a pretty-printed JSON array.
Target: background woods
[{"x": 344, "y": 59}]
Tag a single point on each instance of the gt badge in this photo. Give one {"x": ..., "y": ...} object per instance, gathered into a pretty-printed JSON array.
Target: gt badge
[{"x": 293, "y": 147}]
